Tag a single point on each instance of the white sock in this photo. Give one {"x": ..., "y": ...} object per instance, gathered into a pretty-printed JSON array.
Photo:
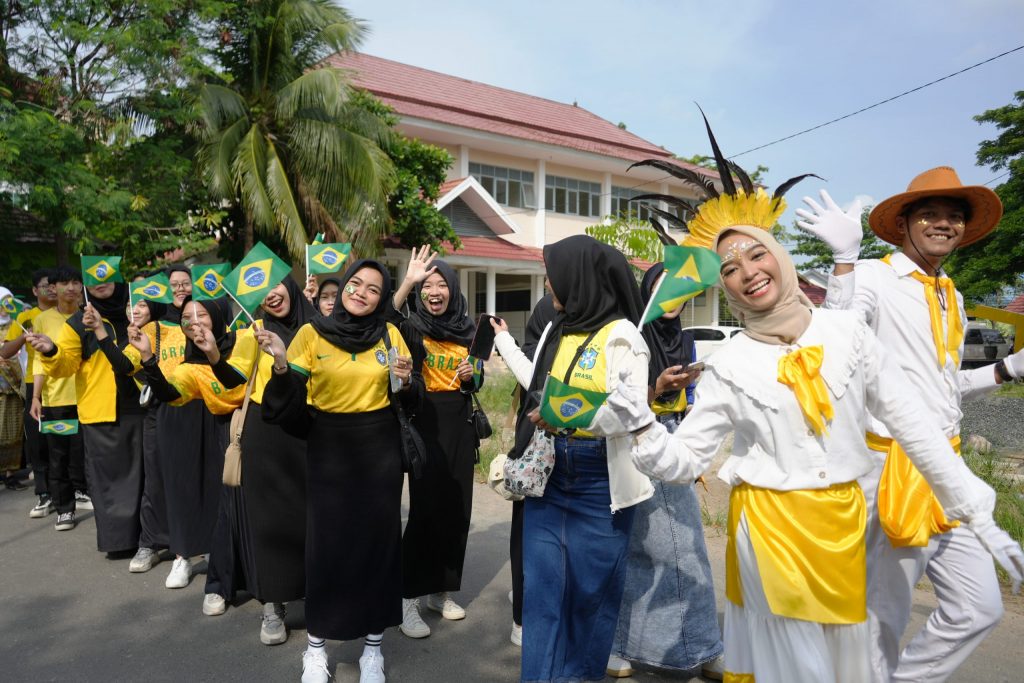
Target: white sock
[
  {"x": 315, "y": 644},
  {"x": 373, "y": 641}
]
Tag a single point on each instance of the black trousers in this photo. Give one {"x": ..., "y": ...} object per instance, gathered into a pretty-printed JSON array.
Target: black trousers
[
  {"x": 66, "y": 472},
  {"x": 36, "y": 454},
  {"x": 515, "y": 551}
]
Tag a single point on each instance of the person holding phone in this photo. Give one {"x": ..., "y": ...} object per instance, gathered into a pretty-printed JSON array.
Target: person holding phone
[
  {"x": 440, "y": 331},
  {"x": 668, "y": 616}
]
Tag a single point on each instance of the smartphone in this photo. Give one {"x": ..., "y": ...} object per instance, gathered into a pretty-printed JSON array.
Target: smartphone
[
  {"x": 483, "y": 340},
  {"x": 693, "y": 367}
]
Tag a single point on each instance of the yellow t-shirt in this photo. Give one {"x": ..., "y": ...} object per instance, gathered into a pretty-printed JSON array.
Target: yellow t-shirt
[
  {"x": 443, "y": 357},
  {"x": 591, "y": 370},
  {"x": 194, "y": 381},
  {"x": 172, "y": 346},
  {"x": 339, "y": 381},
  {"x": 95, "y": 386},
  {"x": 245, "y": 356},
  {"x": 57, "y": 391},
  {"x": 677, "y": 406},
  {"x": 13, "y": 332}
]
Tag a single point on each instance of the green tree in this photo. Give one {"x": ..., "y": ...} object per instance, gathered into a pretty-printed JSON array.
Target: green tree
[
  {"x": 284, "y": 139},
  {"x": 631, "y": 236},
  {"x": 818, "y": 253},
  {"x": 984, "y": 267}
]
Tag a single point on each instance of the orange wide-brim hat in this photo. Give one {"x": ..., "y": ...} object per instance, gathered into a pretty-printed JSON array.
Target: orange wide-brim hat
[{"x": 986, "y": 209}]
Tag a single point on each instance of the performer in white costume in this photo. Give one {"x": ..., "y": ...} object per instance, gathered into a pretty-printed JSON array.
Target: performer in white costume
[{"x": 916, "y": 312}]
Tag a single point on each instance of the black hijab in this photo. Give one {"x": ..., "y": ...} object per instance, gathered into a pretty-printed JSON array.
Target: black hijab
[
  {"x": 351, "y": 333},
  {"x": 320, "y": 290},
  {"x": 157, "y": 311},
  {"x": 220, "y": 317},
  {"x": 300, "y": 312},
  {"x": 595, "y": 286},
  {"x": 113, "y": 311},
  {"x": 668, "y": 343},
  {"x": 173, "y": 313},
  {"x": 454, "y": 324},
  {"x": 543, "y": 313}
]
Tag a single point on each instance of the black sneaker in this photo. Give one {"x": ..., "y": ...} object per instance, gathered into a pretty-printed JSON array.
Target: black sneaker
[
  {"x": 65, "y": 521},
  {"x": 12, "y": 483}
]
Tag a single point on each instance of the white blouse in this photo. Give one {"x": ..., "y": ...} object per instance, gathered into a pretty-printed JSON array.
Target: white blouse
[{"x": 776, "y": 448}]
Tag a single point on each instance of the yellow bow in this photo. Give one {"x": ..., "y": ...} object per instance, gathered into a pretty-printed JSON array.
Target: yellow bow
[
  {"x": 800, "y": 371},
  {"x": 955, "y": 331}
]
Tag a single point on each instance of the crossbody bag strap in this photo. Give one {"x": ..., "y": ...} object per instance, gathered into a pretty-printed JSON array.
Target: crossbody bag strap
[
  {"x": 579, "y": 352},
  {"x": 248, "y": 391}
]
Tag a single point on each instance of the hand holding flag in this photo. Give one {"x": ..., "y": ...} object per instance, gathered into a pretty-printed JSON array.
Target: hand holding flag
[{"x": 688, "y": 272}]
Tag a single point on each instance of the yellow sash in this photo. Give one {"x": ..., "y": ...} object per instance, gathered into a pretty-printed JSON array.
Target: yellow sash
[
  {"x": 730, "y": 677},
  {"x": 907, "y": 509},
  {"x": 800, "y": 371},
  {"x": 955, "y": 332},
  {"x": 810, "y": 551}
]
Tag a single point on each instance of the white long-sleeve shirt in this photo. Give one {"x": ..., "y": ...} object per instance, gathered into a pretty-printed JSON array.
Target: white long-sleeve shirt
[
  {"x": 776, "y": 448},
  {"x": 893, "y": 303}
]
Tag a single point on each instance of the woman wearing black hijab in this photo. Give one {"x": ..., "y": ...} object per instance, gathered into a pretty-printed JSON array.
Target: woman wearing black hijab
[
  {"x": 668, "y": 616},
  {"x": 332, "y": 381},
  {"x": 273, "y": 467},
  {"x": 575, "y": 536},
  {"x": 440, "y": 331}
]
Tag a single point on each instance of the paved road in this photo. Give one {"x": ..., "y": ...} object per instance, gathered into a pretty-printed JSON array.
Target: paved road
[{"x": 69, "y": 614}]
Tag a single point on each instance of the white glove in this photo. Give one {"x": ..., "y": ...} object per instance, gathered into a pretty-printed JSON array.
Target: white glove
[
  {"x": 629, "y": 403},
  {"x": 1004, "y": 549},
  {"x": 1015, "y": 364},
  {"x": 841, "y": 231}
]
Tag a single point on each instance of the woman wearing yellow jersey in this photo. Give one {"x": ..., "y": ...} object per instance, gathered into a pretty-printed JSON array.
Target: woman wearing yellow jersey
[
  {"x": 205, "y": 326},
  {"x": 439, "y": 330},
  {"x": 336, "y": 369},
  {"x": 575, "y": 536}
]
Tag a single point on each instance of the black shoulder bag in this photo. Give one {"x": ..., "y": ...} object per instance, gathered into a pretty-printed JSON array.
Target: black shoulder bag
[{"x": 414, "y": 450}]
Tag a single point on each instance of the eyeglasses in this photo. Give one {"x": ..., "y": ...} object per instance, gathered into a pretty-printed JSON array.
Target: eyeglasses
[{"x": 181, "y": 285}]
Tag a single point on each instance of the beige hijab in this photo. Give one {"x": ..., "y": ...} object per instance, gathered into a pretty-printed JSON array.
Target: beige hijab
[{"x": 789, "y": 318}]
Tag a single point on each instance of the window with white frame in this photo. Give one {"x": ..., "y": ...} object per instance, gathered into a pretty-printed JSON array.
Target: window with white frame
[
  {"x": 508, "y": 186},
  {"x": 623, "y": 204},
  {"x": 572, "y": 196}
]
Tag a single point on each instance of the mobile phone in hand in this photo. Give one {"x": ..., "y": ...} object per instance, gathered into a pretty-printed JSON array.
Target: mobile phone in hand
[{"x": 483, "y": 340}]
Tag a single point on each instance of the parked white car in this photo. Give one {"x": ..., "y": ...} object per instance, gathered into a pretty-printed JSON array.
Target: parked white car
[
  {"x": 707, "y": 338},
  {"x": 983, "y": 345}
]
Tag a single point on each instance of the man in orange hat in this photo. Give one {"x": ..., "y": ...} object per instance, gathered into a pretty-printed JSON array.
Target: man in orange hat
[{"x": 916, "y": 312}]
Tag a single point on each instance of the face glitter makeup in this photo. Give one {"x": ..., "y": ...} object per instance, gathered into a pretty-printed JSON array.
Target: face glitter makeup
[
  {"x": 424, "y": 296},
  {"x": 350, "y": 289},
  {"x": 735, "y": 251}
]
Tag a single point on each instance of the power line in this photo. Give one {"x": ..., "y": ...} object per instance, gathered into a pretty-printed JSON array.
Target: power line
[
  {"x": 1001, "y": 175},
  {"x": 878, "y": 104}
]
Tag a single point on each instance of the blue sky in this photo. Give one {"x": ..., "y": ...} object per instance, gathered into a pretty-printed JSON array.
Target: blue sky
[{"x": 761, "y": 70}]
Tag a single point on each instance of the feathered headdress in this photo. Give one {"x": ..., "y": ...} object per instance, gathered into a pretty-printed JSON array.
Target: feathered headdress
[{"x": 743, "y": 205}]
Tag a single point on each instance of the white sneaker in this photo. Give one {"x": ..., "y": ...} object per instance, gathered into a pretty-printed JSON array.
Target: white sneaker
[
  {"x": 371, "y": 666},
  {"x": 214, "y": 605},
  {"x": 412, "y": 623},
  {"x": 83, "y": 501},
  {"x": 144, "y": 560},
  {"x": 314, "y": 666},
  {"x": 43, "y": 507},
  {"x": 272, "y": 628},
  {"x": 715, "y": 669},
  {"x": 510, "y": 594},
  {"x": 443, "y": 603},
  {"x": 517, "y": 635},
  {"x": 618, "y": 667},
  {"x": 180, "y": 574}
]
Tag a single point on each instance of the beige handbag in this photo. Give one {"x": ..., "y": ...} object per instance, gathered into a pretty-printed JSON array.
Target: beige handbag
[{"x": 233, "y": 454}]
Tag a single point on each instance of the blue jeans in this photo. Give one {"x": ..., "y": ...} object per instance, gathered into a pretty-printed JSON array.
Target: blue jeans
[
  {"x": 574, "y": 552},
  {"x": 668, "y": 616}
]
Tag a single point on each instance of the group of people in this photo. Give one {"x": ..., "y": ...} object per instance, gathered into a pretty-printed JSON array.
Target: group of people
[{"x": 846, "y": 484}]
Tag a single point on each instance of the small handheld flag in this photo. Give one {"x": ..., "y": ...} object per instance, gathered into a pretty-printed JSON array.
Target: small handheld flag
[
  {"x": 318, "y": 239},
  {"x": 59, "y": 427},
  {"x": 153, "y": 288},
  {"x": 567, "y": 407},
  {"x": 13, "y": 306},
  {"x": 99, "y": 270},
  {"x": 327, "y": 258},
  {"x": 259, "y": 272},
  {"x": 688, "y": 272},
  {"x": 207, "y": 280}
]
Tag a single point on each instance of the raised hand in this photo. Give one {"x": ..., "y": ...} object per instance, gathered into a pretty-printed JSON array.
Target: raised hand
[
  {"x": 140, "y": 342},
  {"x": 205, "y": 342},
  {"x": 840, "y": 230},
  {"x": 311, "y": 288},
  {"x": 39, "y": 342},
  {"x": 91, "y": 318},
  {"x": 272, "y": 345},
  {"x": 419, "y": 265}
]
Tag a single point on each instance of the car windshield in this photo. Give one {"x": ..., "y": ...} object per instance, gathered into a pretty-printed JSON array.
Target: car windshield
[{"x": 992, "y": 337}]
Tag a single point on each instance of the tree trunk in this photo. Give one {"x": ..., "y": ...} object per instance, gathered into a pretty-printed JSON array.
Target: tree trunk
[{"x": 248, "y": 234}]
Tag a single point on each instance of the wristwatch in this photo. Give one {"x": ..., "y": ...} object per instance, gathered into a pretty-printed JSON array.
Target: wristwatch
[{"x": 1004, "y": 372}]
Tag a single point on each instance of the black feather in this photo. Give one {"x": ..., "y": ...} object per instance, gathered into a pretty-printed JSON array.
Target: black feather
[
  {"x": 784, "y": 187},
  {"x": 673, "y": 219},
  {"x": 745, "y": 181},
  {"x": 728, "y": 186},
  {"x": 668, "y": 199},
  {"x": 662, "y": 233},
  {"x": 685, "y": 174}
]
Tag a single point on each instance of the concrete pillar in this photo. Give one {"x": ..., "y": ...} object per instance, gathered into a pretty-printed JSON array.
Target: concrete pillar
[
  {"x": 713, "y": 294},
  {"x": 537, "y": 287},
  {"x": 463, "y": 161},
  {"x": 606, "y": 197},
  {"x": 492, "y": 290},
  {"x": 464, "y": 286},
  {"x": 540, "y": 221}
]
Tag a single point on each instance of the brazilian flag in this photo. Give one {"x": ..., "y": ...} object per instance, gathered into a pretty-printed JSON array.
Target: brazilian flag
[
  {"x": 259, "y": 272},
  {"x": 153, "y": 288},
  {"x": 59, "y": 427},
  {"x": 567, "y": 407},
  {"x": 327, "y": 258},
  {"x": 13, "y": 306},
  {"x": 688, "y": 272},
  {"x": 318, "y": 239},
  {"x": 207, "y": 279},
  {"x": 99, "y": 270}
]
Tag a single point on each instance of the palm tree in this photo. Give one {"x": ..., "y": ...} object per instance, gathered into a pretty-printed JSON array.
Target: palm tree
[{"x": 282, "y": 137}]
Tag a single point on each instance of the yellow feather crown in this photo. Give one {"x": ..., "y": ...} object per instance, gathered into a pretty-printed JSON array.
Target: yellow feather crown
[{"x": 715, "y": 215}]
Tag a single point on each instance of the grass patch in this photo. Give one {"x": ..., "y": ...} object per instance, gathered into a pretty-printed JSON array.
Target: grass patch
[
  {"x": 1012, "y": 390},
  {"x": 497, "y": 399},
  {"x": 1001, "y": 475}
]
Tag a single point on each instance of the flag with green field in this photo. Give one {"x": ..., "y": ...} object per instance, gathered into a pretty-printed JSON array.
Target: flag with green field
[
  {"x": 59, "y": 427},
  {"x": 318, "y": 238},
  {"x": 207, "y": 279},
  {"x": 688, "y": 272},
  {"x": 99, "y": 270},
  {"x": 567, "y": 407},
  {"x": 259, "y": 272},
  {"x": 327, "y": 258},
  {"x": 13, "y": 306},
  {"x": 153, "y": 288}
]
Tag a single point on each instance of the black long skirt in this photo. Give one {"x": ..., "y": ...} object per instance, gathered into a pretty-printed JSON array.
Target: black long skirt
[
  {"x": 192, "y": 443},
  {"x": 274, "y": 486},
  {"x": 153, "y": 511},
  {"x": 113, "y": 470},
  {"x": 440, "y": 501},
  {"x": 231, "y": 567},
  {"x": 354, "y": 525}
]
